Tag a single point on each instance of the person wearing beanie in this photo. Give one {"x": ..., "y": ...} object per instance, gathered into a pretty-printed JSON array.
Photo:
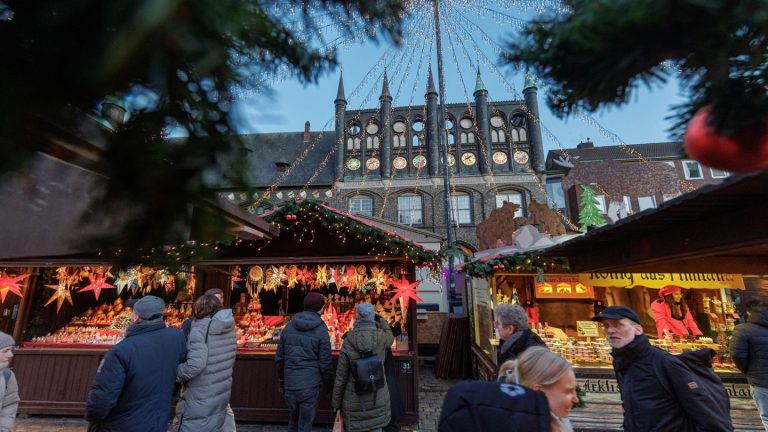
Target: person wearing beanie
[
  {"x": 134, "y": 384},
  {"x": 369, "y": 411},
  {"x": 304, "y": 363},
  {"x": 9, "y": 388}
]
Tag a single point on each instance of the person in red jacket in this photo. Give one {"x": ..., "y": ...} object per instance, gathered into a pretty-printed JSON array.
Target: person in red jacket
[{"x": 672, "y": 314}]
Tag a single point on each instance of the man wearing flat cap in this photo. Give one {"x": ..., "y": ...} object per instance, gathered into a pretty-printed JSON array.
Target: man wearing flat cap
[
  {"x": 133, "y": 387},
  {"x": 658, "y": 391}
]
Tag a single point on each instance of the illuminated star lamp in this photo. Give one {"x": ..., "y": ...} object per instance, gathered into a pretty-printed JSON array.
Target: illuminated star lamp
[
  {"x": 62, "y": 294},
  {"x": 404, "y": 291},
  {"x": 11, "y": 284},
  {"x": 348, "y": 278},
  {"x": 98, "y": 283}
]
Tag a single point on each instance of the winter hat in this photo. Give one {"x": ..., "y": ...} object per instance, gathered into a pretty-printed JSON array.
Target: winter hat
[
  {"x": 314, "y": 301},
  {"x": 617, "y": 313},
  {"x": 667, "y": 290},
  {"x": 365, "y": 312},
  {"x": 6, "y": 340},
  {"x": 148, "y": 307}
]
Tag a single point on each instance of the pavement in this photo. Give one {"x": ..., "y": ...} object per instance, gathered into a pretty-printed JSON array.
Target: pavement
[{"x": 601, "y": 414}]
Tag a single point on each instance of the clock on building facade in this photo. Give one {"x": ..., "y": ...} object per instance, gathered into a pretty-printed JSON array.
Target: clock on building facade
[{"x": 353, "y": 164}]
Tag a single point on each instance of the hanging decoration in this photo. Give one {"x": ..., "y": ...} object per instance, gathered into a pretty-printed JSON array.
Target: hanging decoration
[
  {"x": 335, "y": 274},
  {"x": 379, "y": 278},
  {"x": 166, "y": 280},
  {"x": 525, "y": 262},
  {"x": 348, "y": 278},
  {"x": 321, "y": 276},
  {"x": 61, "y": 295},
  {"x": 306, "y": 276},
  {"x": 269, "y": 279},
  {"x": 11, "y": 284},
  {"x": 126, "y": 279},
  {"x": 235, "y": 278},
  {"x": 404, "y": 291},
  {"x": 98, "y": 282},
  {"x": 255, "y": 281},
  {"x": 293, "y": 276}
]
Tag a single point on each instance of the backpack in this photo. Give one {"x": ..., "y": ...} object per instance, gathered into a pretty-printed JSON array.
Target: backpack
[
  {"x": 368, "y": 374},
  {"x": 700, "y": 363}
]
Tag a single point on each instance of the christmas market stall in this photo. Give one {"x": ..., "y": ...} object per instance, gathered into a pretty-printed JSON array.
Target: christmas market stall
[{"x": 76, "y": 312}]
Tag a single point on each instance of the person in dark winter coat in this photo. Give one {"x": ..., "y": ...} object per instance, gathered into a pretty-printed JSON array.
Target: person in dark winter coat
[
  {"x": 511, "y": 322},
  {"x": 493, "y": 407},
  {"x": 207, "y": 373},
  {"x": 304, "y": 363},
  {"x": 362, "y": 412},
  {"x": 658, "y": 391},
  {"x": 749, "y": 350},
  {"x": 134, "y": 385}
]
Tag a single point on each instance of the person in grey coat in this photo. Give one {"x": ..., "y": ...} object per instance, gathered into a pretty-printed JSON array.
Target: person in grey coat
[
  {"x": 206, "y": 375},
  {"x": 304, "y": 363}
]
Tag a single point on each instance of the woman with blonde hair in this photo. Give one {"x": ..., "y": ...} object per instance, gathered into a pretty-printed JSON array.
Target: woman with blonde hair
[{"x": 540, "y": 369}]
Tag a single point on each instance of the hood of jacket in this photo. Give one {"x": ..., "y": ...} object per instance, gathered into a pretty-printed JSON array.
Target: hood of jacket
[
  {"x": 759, "y": 317},
  {"x": 222, "y": 322},
  {"x": 306, "y": 321},
  {"x": 363, "y": 337}
]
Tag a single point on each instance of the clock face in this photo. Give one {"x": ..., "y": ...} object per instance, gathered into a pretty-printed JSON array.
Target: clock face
[
  {"x": 399, "y": 162},
  {"x": 419, "y": 161},
  {"x": 500, "y": 158},
  {"x": 521, "y": 157},
  {"x": 353, "y": 164},
  {"x": 468, "y": 158},
  {"x": 372, "y": 164},
  {"x": 451, "y": 160}
]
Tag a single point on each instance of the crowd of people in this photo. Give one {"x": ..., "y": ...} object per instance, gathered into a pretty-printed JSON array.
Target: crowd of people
[{"x": 154, "y": 365}]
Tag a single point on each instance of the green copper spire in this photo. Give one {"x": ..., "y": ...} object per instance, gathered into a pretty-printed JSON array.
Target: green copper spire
[{"x": 479, "y": 85}]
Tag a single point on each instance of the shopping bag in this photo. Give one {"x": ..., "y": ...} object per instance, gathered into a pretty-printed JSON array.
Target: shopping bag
[{"x": 338, "y": 424}]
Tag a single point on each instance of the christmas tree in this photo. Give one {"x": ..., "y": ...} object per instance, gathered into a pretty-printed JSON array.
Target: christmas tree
[
  {"x": 595, "y": 54},
  {"x": 589, "y": 212}
]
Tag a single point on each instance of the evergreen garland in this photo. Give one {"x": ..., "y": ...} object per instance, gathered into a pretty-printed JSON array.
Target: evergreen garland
[
  {"x": 526, "y": 262},
  {"x": 389, "y": 243}
]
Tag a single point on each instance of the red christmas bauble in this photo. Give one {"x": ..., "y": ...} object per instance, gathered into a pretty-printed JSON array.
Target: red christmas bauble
[{"x": 745, "y": 152}]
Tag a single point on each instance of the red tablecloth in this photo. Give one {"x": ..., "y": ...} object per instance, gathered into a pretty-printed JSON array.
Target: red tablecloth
[{"x": 272, "y": 320}]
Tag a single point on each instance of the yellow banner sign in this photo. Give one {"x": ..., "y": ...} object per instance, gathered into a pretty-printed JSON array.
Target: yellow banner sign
[{"x": 660, "y": 280}]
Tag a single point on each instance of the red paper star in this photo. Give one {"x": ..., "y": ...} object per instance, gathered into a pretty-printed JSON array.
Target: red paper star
[
  {"x": 11, "y": 284},
  {"x": 406, "y": 290},
  {"x": 306, "y": 276},
  {"x": 348, "y": 278},
  {"x": 98, "y": 283}
]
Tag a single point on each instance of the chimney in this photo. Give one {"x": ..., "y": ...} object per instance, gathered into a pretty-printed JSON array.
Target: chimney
[
  {"x": 585, "y": 144},
  {"x": 306, "y": 132}
]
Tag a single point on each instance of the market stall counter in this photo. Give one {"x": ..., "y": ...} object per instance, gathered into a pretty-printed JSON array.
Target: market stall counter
[{"x": 56, "y": 382}]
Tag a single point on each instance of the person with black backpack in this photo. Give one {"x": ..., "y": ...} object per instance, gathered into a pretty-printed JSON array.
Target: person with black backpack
[
  {"x": 660, "y": 391},
  {"x": 360, "y": 390}
]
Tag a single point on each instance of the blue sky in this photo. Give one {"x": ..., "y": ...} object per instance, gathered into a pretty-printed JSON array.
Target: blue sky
[{"x": 476, "y": 41}]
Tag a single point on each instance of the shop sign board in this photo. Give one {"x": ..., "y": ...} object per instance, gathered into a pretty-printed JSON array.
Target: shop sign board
[
  {"x": 563, "y": 287},
  {"x": 610, "y": 385},
  {"x": 660, "y": 280},
  {"x": 587, "y": 329}
]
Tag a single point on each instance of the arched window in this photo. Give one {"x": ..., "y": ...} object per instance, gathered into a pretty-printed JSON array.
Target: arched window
[
  {"x": 361, "y": 204},
  {"x": 467, "y": 138},
  {"x": 498, "y": 136},
  {"x": 353, "y": 143},
  {"x": 511, "y": 197},
  {"x": 416, "y": 142},
  {"x": 461, "y": 208},
  {"x": 451, "y": 139},
  {"x": 409, "y": 209},
  {"x": 398, "y": 137},
  {"x": 372, "y": 142}
]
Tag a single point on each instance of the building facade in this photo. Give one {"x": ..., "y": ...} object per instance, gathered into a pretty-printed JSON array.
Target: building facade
[
  {"x": 627, "y": 179},
  {"x": 386, "y": 162}
]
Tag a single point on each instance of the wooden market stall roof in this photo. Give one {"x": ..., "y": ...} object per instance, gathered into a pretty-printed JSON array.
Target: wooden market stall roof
[
  {"x": 312, "y": 231},
  {"x": 718, "y": 228}
]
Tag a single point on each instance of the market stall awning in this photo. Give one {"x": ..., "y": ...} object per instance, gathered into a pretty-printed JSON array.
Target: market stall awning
[{"x": 715, "y": 229}]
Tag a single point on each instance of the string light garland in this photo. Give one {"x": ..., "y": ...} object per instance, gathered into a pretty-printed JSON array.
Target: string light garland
[{"x": 526, "y": 262}]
